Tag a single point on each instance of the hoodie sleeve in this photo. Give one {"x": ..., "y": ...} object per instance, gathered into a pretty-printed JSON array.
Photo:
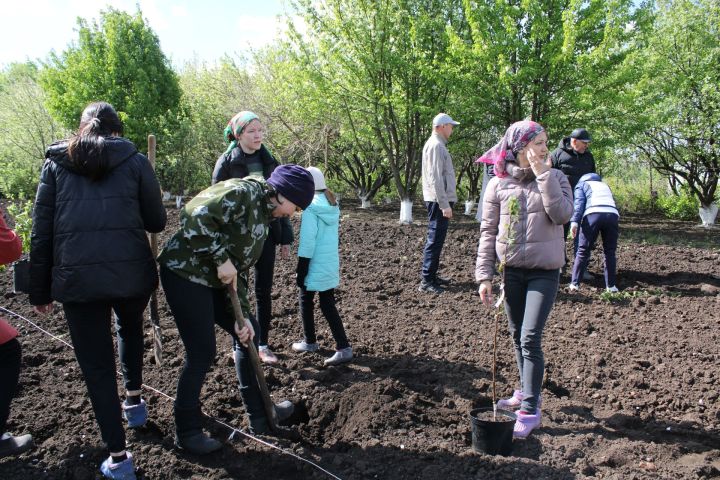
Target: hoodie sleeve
[
  {"x": 489, "y": 226},
  {"x": 308, "y": 234},
  {"x": 10, "y": 243},
  {"x": 221, "y": 171},
  {"x": 437, "y": 156},
  {"x": 41, "y": 240},
  {"x": 556, "y": 195},
  {"x": 151, "y": 207},
  {"x": 580, "y": 202}
]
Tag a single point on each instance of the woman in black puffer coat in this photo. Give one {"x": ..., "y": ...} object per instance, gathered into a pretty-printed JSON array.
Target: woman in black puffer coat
[{"x": 96, "y": 200}]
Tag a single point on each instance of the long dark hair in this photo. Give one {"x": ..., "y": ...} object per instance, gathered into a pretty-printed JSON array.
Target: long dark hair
[{"x": 86, "y": 148}]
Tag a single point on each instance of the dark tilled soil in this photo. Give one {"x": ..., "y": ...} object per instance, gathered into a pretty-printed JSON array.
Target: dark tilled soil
[{"x": 631, "y": 388}]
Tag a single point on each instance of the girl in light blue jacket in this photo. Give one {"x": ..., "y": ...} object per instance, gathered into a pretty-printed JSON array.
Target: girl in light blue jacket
[{"x": 318, "y": 270}]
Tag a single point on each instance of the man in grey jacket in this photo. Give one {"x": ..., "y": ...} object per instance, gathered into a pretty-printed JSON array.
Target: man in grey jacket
[{"x": 438, "y": 182}]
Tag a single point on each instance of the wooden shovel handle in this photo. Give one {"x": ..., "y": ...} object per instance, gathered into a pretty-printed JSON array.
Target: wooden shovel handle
[{"x": 254, "y": 361}]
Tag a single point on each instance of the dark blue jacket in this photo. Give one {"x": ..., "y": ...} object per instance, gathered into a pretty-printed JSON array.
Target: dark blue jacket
[
  {"x": 234, "y": 165},
  {"x": 89, "y": 240},
  {"x": 592, "y": 195}
]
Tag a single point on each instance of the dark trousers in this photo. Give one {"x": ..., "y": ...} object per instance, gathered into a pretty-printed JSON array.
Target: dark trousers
[
  {"x": 594, "y": 224},
  {"x": 197, "y": 309},
  {"x": 329, "y": 310},
  {"x": 91, "y": 334},
  {"x": 437, "y": 231},
  {"x": 566, "y": 231},
  {"x": 529, "y": 297},
  {"x": 264, "y": 271},
  {"x": 10, "y": 353}
]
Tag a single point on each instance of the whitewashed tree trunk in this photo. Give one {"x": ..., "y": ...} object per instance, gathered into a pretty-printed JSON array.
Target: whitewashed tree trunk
[
  {"x": 365, "y": 203},
  {"x": 178, "y": 201},
  {"x": 406, "y": 211},
  {"x": 468, "y": 207},
  {"x": 708, "y": 215}
]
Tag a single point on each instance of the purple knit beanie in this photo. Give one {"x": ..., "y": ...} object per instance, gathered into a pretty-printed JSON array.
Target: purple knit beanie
[{"x": 294, "y": 183}]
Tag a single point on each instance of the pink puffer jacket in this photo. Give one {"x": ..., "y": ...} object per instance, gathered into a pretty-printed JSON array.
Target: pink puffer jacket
[{"x": 545, "y": 204}]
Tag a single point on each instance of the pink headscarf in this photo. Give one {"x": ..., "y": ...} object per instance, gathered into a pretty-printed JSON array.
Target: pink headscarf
[{"x": 517, "y": 136}]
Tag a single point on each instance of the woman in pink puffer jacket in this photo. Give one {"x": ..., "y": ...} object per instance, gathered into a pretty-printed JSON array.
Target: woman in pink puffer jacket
[{"x": 532, "y": 259}]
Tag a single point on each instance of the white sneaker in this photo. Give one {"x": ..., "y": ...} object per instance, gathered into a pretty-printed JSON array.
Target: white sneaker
[
  {"x": 267, "y": 355},
  {"x": 303, "y": 346},
  {"x": 612, "y": 289},
  {"x": 341, "y": 356},
  {"x": 573, "y": 287}
]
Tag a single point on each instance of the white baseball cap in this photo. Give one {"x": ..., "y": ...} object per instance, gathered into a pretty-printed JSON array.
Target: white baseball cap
[{"x": 443, "y": 119}]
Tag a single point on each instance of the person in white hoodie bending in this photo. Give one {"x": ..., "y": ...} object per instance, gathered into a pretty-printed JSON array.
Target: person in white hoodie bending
[
  {"x": 318, "y": 270},
  {"x": 596, "y": 214}
]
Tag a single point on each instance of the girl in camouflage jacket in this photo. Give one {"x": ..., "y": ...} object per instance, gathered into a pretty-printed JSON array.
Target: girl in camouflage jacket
[{"x": 222, "y": 231}]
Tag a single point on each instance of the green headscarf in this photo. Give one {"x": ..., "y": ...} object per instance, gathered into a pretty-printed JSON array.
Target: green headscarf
[{"x": 235, "y": 127}]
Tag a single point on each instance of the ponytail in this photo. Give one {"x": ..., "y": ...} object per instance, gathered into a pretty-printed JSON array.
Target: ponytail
[
  {"x": 330, "y": 197},
  {"x": 86, "y": 148}
]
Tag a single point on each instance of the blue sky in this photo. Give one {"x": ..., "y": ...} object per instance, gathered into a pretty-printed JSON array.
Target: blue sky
[{"x": 203, "y": 29}]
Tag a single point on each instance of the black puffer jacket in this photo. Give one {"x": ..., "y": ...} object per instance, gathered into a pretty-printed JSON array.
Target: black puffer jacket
[
  {"x": 572, "y": 164},
  {"x": 88, "y": 239},
  {"x": 234, "y": 165}
]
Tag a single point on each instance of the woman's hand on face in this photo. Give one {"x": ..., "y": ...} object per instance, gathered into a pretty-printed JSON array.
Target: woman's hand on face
[
  {"x": 44, "y": 309},
  {"x": 538, "y": 164},
  {"x": 485, "y": 292},
  {"x": 227, "y": 274},
  {"x": 245, "y": 334}
]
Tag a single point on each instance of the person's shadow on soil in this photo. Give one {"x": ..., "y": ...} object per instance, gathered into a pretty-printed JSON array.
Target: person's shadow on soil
[{"x": 620, "y": 425}]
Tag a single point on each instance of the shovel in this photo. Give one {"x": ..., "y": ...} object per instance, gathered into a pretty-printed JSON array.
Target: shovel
[
  {"x": 254, "y": 361},
  {"x": 154, "y": 312}
]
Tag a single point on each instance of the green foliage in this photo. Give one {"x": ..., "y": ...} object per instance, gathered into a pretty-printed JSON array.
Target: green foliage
[
  {"x": 118, "y": 61},
  {"x": 26, "y": 128},
  {"x": 21, "y": 211},
  {"x": 679, "y": 207},
  {"x": 676, "y": 98}
]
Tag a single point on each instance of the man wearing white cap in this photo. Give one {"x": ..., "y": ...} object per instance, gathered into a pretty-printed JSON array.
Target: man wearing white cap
[{"x": 438, "y": 182}]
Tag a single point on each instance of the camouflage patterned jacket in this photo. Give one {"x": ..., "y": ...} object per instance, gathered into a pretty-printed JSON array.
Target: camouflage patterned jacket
[{"x": 226, "y": 221}]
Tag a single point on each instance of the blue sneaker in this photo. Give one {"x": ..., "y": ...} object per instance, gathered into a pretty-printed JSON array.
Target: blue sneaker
[
  {"x": 136, "y": 415},
  {"x": 124, "y": 470}
]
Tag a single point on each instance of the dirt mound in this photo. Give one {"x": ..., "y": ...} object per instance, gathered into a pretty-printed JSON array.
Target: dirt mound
[{"x": 631, "y": 387}]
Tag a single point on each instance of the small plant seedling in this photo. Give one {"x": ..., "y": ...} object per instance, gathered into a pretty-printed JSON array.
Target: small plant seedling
[{"x": 513, "y": 214}]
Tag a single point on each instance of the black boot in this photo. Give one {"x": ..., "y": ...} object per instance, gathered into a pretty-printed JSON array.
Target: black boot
[{"x": 189, "y": 435}]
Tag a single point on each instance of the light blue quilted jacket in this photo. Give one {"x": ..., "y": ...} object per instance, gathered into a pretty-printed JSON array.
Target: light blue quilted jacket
[{"x": 319, "y": 242}]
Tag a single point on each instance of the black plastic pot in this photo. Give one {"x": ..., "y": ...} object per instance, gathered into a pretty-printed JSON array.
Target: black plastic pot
[
  {"x": 493, "y": 437},
  {"x": 21, "y": 276}
]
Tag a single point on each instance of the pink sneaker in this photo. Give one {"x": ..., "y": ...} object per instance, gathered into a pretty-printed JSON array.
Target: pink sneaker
[
  {"x": 512, "y": 403},
  {"x": 266, "y": 355},
  {"x": 526, "y": 423}
]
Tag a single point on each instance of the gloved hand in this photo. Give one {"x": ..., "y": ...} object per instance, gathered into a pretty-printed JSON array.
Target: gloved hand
[{"x": 302, "y": 270}]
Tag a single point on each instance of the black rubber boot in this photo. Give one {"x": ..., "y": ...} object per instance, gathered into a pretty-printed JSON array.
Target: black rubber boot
[{"x": 189, "y": 436}]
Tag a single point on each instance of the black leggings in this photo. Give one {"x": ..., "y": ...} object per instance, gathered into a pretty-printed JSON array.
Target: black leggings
[
  {"x": 91, "y": 334},
  {"x": 264, "y": 270},
  {"x": 10, "y": 353},
  {"x": 327, "y": 306},
  {"x": 197, "y": 309}
]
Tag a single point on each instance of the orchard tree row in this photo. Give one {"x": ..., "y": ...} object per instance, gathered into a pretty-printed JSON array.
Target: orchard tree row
[{"x": 354, "y": 88}]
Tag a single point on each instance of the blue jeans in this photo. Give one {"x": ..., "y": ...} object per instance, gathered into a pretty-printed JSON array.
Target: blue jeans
[
  {"x": 437, "y": 231},
  {"x": 594, "y": 224},
  {"x": 529, "y": 297}
]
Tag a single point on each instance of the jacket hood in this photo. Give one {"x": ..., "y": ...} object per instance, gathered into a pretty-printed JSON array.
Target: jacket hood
[
  {"x": 328, "y": 214},
  {"x": 591, "y": 177},
  {"x": 117, "y": 149},
  {"x": 565, "y": 144},
  {"x": 520, "y": 174}
]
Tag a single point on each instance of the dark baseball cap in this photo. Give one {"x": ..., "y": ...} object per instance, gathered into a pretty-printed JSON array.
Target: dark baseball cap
[{"x": 581, "y": 134}]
